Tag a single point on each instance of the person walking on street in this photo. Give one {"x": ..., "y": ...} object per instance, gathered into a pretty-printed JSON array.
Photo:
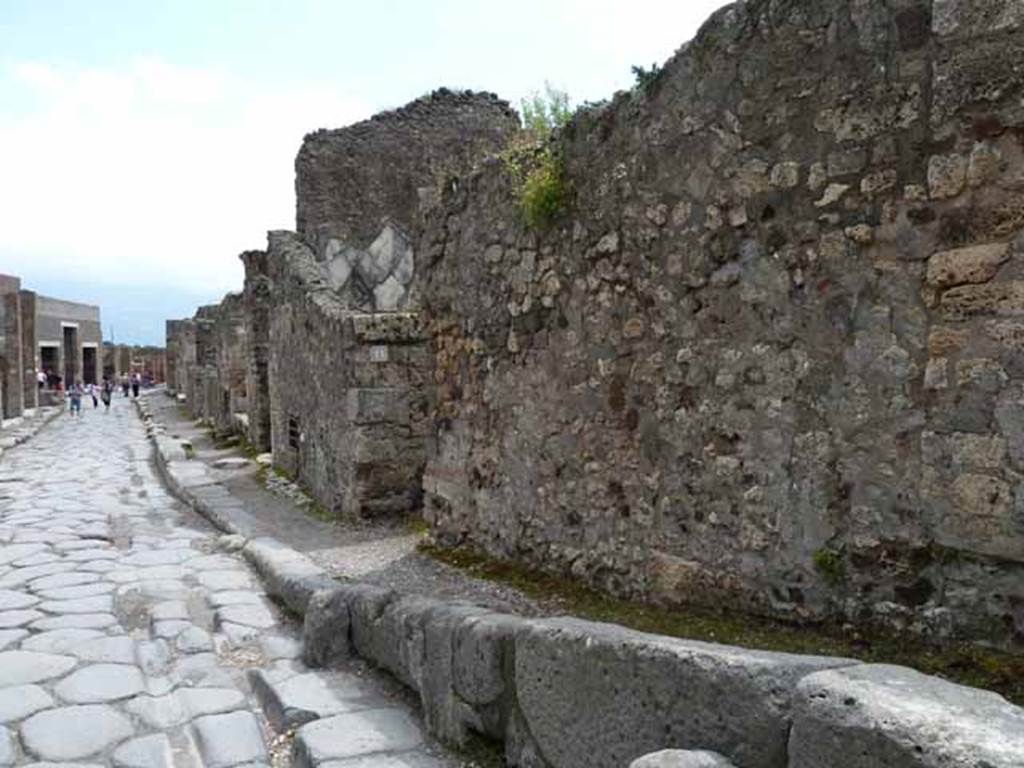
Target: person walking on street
[
  {"x": 124, "y": 384},
  {"x": 75, "y": 395},
  {"x": 136, "y": 381},
  {"x": 107, "y": 394},
  {"x": 92, "y": 393},
  {"x": 42, "y": 378}
]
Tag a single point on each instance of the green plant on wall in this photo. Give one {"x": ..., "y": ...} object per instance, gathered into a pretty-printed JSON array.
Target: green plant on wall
[
  {"x": 534, "y": 164},
  {"x": 831, "y": 565},
  {"x": 544, "y": 112}
]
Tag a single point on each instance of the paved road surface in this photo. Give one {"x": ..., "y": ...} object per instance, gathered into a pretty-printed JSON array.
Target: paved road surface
[{"x": 128, "y": 638}]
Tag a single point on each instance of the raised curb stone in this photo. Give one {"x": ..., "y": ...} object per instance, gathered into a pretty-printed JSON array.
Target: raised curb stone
[
  {"x": 880, "y": 715},
  {"x": 228, "y": 740},
  {"x": 625, "y": 676},
  {"x": 355, "y": 735}
]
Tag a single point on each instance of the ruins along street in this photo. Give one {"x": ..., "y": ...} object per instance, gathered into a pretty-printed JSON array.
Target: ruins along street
[{"x": 128, "y": 637}]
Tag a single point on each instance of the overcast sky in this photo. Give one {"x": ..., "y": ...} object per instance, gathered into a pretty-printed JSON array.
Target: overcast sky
[{"x": 144, "y": 144}]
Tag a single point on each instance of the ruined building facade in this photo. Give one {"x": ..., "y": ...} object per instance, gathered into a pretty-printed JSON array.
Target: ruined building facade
[
  {"x": 769, "y": 355},
  {"x": 39, "y": 333}
]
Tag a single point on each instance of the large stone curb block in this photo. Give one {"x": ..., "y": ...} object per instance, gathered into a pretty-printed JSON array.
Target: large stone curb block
[
  {"x": 326, "y": 627},
  {"x": 875, "y": 716},
  {"x": 290, "y": 576},
  {"x": 598, "y": 696},
  {"x": 456, "y": 656}
]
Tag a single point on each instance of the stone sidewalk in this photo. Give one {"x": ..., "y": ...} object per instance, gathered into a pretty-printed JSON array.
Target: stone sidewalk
[{"x": 132, "y": 635}]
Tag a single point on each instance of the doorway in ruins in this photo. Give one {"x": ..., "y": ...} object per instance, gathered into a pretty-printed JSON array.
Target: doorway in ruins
[
  {"x": 49, "y": 362},
  {"x": 89, "y": 365},
  {"x": 70, "y": 355}
]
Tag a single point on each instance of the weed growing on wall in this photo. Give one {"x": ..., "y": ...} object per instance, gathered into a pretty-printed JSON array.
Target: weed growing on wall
[
  {"x": 533, "y": 162},
  {"x": 543, "y": 113},
  {"x": 831, "y": 566}
]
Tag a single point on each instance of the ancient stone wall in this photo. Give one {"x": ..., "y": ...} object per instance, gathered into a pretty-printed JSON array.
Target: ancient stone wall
[
  {"x": 347, "y": 394},
  {"x": 346, "y": 357},
  {"x": 12, "y": 396},
  {"x": 772, "y": 354},
  {"x": 256, "y": 298},
  {"x": 349, "y": 182}
]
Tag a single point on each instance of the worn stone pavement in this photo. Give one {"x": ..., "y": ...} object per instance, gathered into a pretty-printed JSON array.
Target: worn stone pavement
[{"x": 130, "y": 636}]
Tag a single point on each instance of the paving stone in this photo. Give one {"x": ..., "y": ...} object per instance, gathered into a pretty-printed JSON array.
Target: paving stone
[
  {"x": 127, "y": 575},
  {"x": 60, "y": 640},
  {"x": 9, "y": 637},
  {"x": 218, "y": 581},
  {"x": 162, "y": 589},
  {"x": 171, "y": 609},
  {"x": 170, "y": 629},
  {"x": 84, "y": 555},
  {"x": 18, "y": 667},
  {"x": 679, "y": 758},
  {"x": 148, "y": 752},
  {"x": 73, "y": 593},
  {"x": 71, "y": 733},
  {"x": 160, "y": 712},
  {"x": 99, "y": 566},
  {"x": 228, "y": 740},
  {"x": 98, "y": 604},
  {"x": 153, "y": 656},
  {"x": 75, "y": 621},
  {"x": 21, "y": 576},
  {"x": 12, "y": 601},
  {"x": 291, "y": 700},
  {"x": 115, "y": 650},
  {"x": 276, "y": 647},
  {"x": 159, "y": 557},
  {"x": 19, "y": 701},
  {"x": 355, "y": 734},
  {"x": 61, "y": 580},
  {"x": 100, "y": 683},
  {"x": 257, "y": 616},
  {"x": 235, "y": 597},
  {"x": 14, "y": 619},
  {"x": 194, "y": 640},
  {"x": 238, "y": 635},
  {"x": 210, "y": 701},
  {"x": 13, "y": 552},
  {"x": 207, "y": 563},
  {"x": 8, "y": 752}
]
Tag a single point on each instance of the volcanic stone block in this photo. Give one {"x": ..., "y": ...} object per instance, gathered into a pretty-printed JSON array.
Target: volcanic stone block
[
  {"x": 880, "y": 716},
  {"x": 597, "y": 695}
]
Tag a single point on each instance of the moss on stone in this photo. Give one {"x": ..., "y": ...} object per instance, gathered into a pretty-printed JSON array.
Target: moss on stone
[{"x": 960, "y": 662}]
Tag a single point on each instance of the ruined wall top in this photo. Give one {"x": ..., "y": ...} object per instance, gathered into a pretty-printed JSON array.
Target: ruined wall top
[{"x": 349, "y": 180}]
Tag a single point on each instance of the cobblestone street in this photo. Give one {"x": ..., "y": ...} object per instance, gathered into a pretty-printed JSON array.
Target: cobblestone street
[{"x": 128, "y": 637}]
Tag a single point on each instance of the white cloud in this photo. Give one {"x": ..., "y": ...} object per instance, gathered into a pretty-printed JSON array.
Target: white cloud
[{"x": 151, "y": 173}]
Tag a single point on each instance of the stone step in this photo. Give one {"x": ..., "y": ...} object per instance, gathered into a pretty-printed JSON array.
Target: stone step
[
  {"x": 370, "y": 733},
  {"x": 291, "y": 696}
]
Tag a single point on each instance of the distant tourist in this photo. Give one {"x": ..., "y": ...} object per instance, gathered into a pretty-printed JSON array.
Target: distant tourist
[
  {"x": 75, "y": 393},
  {"x": 107, "y": 393},
  {"x": 125, "y": 384},
  {"x": 136, "y": 382},
  {"x": 91, "y": 389},
  {"x": 42, "y": 378}
]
